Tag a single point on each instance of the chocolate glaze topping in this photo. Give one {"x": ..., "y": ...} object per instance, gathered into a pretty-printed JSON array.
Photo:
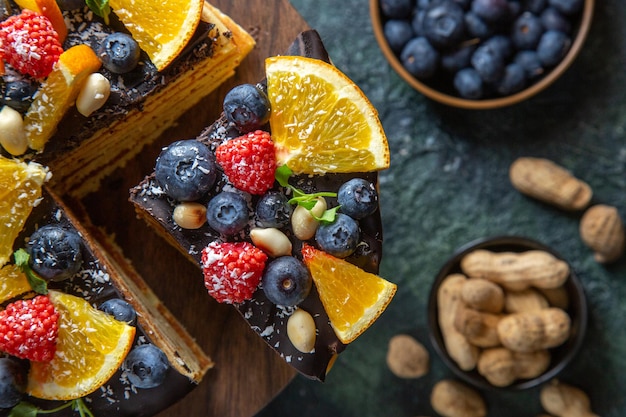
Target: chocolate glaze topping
[{"x": 266, "y": 318}]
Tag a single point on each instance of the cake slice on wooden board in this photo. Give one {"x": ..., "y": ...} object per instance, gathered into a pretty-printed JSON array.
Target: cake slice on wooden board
[
  {"x": 56, "y": 258},
  {"x": 156, "y": 203},
  {"x": 143, "y": 102}
]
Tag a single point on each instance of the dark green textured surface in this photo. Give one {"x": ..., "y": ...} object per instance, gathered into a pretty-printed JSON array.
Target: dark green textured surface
[{"x": 448, "y": 185}]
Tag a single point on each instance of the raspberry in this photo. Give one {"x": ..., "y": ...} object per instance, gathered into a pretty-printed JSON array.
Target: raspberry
[
  {"x": 29, "y": 43},
  {"x": 232, "y": 271},
  {"x": 29, "y": 328},
  {"x": 249, "y": 162}
]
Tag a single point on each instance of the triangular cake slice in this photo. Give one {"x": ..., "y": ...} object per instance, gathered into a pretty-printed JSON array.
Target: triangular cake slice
[
  {"x": 105, "y": 275},
  {"x": 268, "y": 319}
]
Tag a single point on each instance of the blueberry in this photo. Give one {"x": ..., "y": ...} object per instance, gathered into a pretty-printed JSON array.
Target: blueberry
[
  {"x": 12, "y": 382},
  {"x": 444, "y": 24},
  {"x": 146, "y": 366},
  {"x": 457, "y": 59},
  {"x": 420, "y": 58},
  {"x": 491, "y": 10},
  {"x": 469, "y": 84},
  {"x": 120, "y": 310},
  {"x": 55, "y": 253},
  {"x": 513, "y": 80},
  {"x": 18, "y": 94},
  {"x": 529, "y": 60},
  {"x": 477, "y": 27},
  {"x": 552, "y": 19},
  {"x": 398, "y": 33},
  {"x": 526, "y": 31},
  {"x": 286, "y": 281},
  {"x": 247, "y": 107},
  {"x": 535, "y": 6},
  {"x": 568, "y": 7},
  {"x": 339, "y": 238},
  {"x": 273, "y": 210},
  {"x": 396, "y": 9},
  {"x": 502, "y": 45},
  {"x": 186, "y": 170},
  {"x": 553, "y": 46},
  {"x": 417, "y": 23},
  {"x": 119, "y": 53},
  {"x": 488, "y": 62},
  {"x": 358, "y": 198},
  {"x": 227, "y": 213}
]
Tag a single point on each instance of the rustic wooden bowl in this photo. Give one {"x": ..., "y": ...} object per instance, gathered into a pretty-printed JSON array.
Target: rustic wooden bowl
[
  {"x": 561, "y": 356},
  {"x": 447, "y": 98}
]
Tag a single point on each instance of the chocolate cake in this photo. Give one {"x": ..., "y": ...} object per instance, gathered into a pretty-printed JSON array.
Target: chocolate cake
[
  {"x": 103, "y": 277},
  {"x": 268, "y": 319}
]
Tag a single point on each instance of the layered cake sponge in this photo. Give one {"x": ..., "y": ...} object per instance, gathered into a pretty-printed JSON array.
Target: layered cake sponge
[
  {"x": 116, "y": 78},
  {"x": 103, "y": 341},
  {"x": 277, "y": 203}
]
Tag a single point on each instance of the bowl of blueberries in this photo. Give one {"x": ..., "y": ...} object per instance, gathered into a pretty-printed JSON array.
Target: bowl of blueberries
[{"x": 480, "y": 54}]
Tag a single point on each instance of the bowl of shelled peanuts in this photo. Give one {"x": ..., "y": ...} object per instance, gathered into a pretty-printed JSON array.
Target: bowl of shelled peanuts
[
  {"x": 506, "y": 313},
  {"x": 480, "y": 54}
]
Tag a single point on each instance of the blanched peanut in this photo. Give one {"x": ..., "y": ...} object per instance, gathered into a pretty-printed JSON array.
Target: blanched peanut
[
  {"x": 406, "y": 357},
  {"x": 449, "y": 301},
  {"x": 534, "y": 330},
  {"x": 94, "y": 93},
  {"x": 301, "y": 331},
  {"x": 516, "y": 270},
  {"x": 271, "y": 241},
  {"x": 12, "y": 132},
  {"x": 483, "y": 295},
  {"x": 190, "y": 215},
  {"x": 453, "y": 399},
  {"x": 303, "y": 224}
]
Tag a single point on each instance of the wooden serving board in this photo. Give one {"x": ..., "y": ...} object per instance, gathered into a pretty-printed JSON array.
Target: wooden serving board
[{"x": 247, "y": 373}]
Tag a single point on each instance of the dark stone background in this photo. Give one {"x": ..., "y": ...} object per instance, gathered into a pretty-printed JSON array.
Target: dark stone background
[{"x": 448, "y": 185}]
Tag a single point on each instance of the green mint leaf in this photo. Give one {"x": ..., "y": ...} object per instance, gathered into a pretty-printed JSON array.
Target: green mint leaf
[
  {"x": 24, "y": 409},
  {"x": 38, "y": 285},
  {"x": 100, "y": 8},
  {"x": 282, "y": 175}
]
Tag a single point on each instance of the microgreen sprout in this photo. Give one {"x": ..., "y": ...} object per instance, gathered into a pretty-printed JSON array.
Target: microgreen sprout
[
  {"x": 25, "y": 409},
  {"x": 283, "y": 173}
]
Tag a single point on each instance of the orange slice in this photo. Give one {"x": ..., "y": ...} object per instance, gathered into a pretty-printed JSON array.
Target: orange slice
[
  {"x": 321, "y": 121},
  {"x": 51, "y": 10},
  {"x": 91, "y": 346},
  {"x": 58, "y": 93},
  {"x": 20, "y": 190},
  {"x": 352, "y": 297},
  {"x": 13, "y": 283},
  {"x": 161, "y": 28}
]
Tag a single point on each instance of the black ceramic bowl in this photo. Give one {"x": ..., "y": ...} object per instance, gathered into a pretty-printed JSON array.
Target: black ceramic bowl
[
  {"x": 439, "y": 87},
  {"x": 561, "y": 356}
]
